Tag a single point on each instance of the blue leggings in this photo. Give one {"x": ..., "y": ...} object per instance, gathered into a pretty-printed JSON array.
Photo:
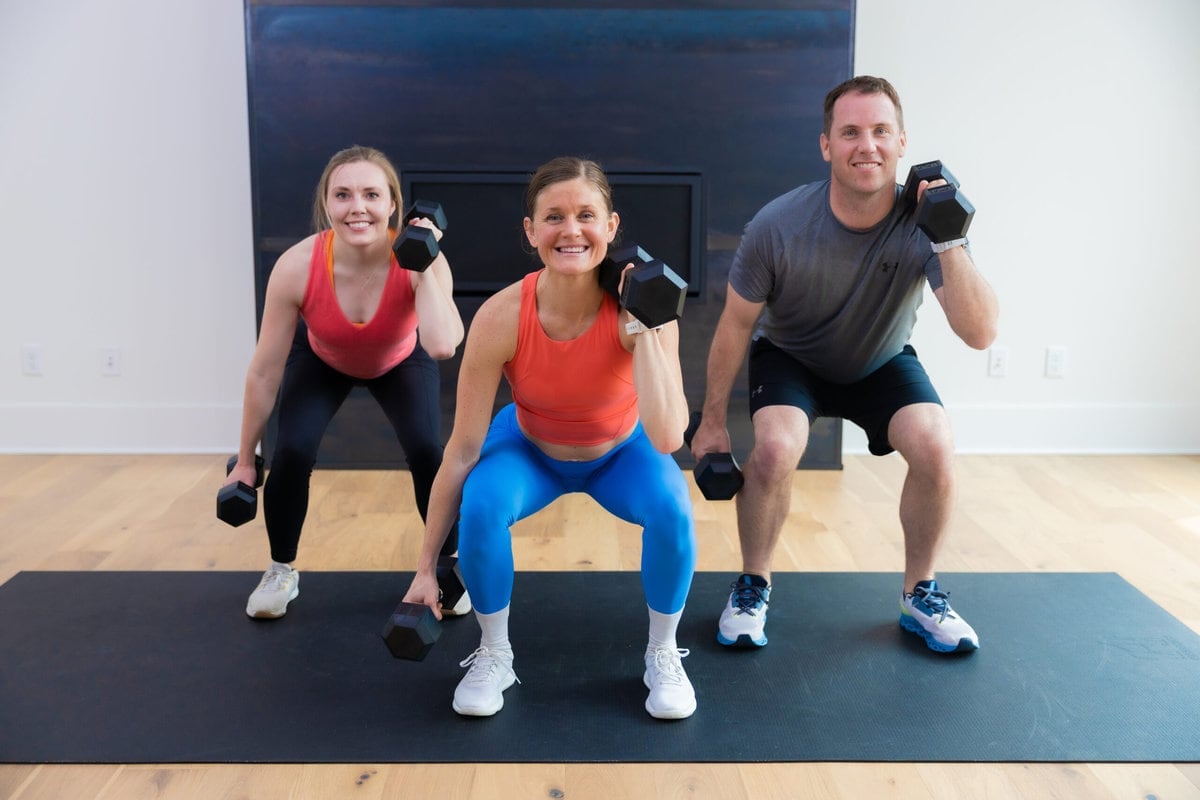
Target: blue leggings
[{"x": 514, "y": 479}]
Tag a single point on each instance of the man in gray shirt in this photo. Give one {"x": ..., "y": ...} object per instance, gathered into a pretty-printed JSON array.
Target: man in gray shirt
[{"x": 827, "y": 281}]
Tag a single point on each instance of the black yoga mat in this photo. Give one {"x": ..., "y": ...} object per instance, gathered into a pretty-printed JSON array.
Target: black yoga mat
[{"x": 164, "y": 667}]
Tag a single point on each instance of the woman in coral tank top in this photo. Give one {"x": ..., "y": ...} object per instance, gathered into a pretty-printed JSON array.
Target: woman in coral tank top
[
  {"x": 598, "y": 408},
  {"x": 341, "y": 312}
]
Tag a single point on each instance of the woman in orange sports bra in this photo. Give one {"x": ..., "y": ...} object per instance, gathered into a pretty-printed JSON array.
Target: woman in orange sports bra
[
  {"x": 597, "y": 409},
  {"x": 341, "y": 312}
]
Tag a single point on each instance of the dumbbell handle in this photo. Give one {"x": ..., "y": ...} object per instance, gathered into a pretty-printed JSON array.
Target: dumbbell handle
[
  {"x": 417, "y": 246},
  {"x": 668, "y": 295},
  {"x": 259, "y": 466}
]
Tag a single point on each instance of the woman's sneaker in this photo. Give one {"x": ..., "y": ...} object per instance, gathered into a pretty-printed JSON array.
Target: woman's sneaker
[
  {"x": 278, "y": 587},
  {"x": 481, "y": 691},
  {"x": 744, "y": 619},
  {"x": 461, "y": 607},
  {"x": 926, "y": 612},
  {"x": 671, "y": 693}
]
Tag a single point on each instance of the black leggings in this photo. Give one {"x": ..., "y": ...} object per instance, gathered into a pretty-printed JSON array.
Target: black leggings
[{"x": 311, "y": 393}]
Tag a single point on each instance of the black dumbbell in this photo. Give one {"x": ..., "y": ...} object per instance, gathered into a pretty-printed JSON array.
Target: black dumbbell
[
  {"x": 717, "y": 474},
  {"x": 944, "y": 213},
  {"x": 412, "y": 629},
  {"x": 653, "y": 293},
  {"x": 416, "y": 247},
  {"x": 237, "y": 503},
  {"x": 450, "y": 582}
]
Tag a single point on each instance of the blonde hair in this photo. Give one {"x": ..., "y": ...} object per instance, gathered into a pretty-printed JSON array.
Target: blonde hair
[{"x": 353, "y": 155}]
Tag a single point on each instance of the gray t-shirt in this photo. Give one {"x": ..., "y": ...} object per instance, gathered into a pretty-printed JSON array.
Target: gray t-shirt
[{"x": 840, "y": 301}]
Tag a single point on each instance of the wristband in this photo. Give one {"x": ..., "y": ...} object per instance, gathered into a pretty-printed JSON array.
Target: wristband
[
  {"x": 941, "y": 247},
  {"x": 635, "y": 326}
]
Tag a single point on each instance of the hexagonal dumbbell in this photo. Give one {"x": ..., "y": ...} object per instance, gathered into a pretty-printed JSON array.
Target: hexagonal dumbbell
[
  {"x": 944, "y": 213},
  {"x": 717, "y": 474},
  {"x": 237, "y": 503},
  {"x": 411, "y": 631},
  {"x": 416, "y": 247},
  {"x": 653, "y": 292}
]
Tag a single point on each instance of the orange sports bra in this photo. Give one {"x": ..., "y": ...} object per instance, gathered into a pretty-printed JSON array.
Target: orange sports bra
[{"x": 578, "y": 392}]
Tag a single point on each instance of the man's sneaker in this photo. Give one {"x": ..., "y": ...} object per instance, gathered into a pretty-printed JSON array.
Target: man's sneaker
[
  {"x": 744, "y": 619},
  {"x": 481, "y": 691},
  {"x": 463, "y": 606},
  {"x": 926, "y": 611},
  {"x": 671, "y": 693},
  {"x": 277, "y": 588}
]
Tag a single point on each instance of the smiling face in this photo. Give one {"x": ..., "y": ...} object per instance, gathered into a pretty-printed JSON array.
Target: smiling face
[
  {"x": 571, "y": 226},
  {"x": 864, "y": 145},
  {"x": 358, "y": 202}
]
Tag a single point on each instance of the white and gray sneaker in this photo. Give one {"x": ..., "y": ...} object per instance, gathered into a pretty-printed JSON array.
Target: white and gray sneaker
[
  {"x": 743, "y": 620},
  {"x": 671, "y": 693},
  {"x": 481, "y": 691},
  {"x": 926, "y": 612},
  {"x": 279, "y": 586}
]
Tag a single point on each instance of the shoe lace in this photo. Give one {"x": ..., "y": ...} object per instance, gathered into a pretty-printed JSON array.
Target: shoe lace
[
  {"x": 746, "y": 597},
  {"x": 484, "y": 663},
  {"x": 667, "y": 667},
  {"x": 936, "y": 600},
  {"x": 273, "y": 579}
]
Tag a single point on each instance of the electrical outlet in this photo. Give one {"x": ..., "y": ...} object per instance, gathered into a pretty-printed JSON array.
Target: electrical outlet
[
  {"x": 1056, "y": 361},
  {"x": 997, "y": 361},
  {"x": 110, "y": 361},
  {"x": 31, "y": 359}
]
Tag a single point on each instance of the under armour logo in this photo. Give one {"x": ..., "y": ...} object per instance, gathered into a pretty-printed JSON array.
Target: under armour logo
[
  {"x": 757, "y": 390},
  {"x": 889, "y": 265}
]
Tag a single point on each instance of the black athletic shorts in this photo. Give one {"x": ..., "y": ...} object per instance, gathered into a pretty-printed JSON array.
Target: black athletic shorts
[{"x": 777, "y": 379}]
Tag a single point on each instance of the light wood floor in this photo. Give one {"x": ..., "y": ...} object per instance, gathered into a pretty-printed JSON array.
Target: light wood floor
[{"x": 1139, "y": 516}]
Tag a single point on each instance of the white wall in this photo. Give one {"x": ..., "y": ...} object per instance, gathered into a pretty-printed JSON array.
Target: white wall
[
  {"x": 125, "y": 210},
  {"x": 1071, "y": 126},
  {"x": 124, "y": 166}
]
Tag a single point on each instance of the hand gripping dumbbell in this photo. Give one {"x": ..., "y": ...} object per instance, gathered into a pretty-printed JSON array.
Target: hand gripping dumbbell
[
  {"x": 653, "y": 293},
  {"x": 412, "y": 629},
  {"x": 416, "y": 247},
  {"x": 237, "y": 503},
  {"x": 944, "y": 213},
  {"x": 717, "y": 475}
]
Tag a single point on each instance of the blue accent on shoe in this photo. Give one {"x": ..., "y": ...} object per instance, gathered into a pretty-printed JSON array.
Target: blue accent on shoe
[
  {"x": 742, "y": 641},
  {"x": 910, "y": 624},
  {"x": 749, "y": 595},
  {"x": 750, "y": 591},
  {"x": 928, "y": 599}
]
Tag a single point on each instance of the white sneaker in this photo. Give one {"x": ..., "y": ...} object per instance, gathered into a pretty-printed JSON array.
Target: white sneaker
[
  {"x": 276, "y": 589},
  {"x": 926, "y": 612},
  {"x": 481, "y": 691},
  {"x": 463, "y": 606},
  {"x": 671, "y": 693},
  {"x": 743, "y": 620}
]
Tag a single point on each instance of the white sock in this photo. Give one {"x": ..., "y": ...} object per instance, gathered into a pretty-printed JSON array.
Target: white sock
[
  {"x": 662, "y": 630},
  {"x": 279, "y": 566},
  {"x": 495, "y": 630}
]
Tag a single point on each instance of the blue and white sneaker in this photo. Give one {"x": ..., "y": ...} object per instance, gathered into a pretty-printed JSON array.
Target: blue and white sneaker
[
  {"x": 744, "y": 618},
  {"x": 926, "y": 612}
]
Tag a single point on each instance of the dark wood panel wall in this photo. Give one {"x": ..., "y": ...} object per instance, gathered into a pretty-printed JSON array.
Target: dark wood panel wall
[{"x": 727, "y": 91}]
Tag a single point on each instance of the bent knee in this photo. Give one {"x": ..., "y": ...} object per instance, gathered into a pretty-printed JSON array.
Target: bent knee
[{"x": 775, "y": 459}]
